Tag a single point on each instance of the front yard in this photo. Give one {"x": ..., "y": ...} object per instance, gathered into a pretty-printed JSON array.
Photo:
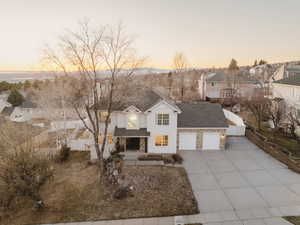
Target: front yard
[{"x": 74, "y": 194}]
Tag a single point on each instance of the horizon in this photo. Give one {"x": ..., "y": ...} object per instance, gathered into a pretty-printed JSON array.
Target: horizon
[{"x": 209, "y": 33}]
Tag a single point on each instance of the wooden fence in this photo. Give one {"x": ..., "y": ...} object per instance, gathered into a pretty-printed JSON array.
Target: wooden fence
[{"x": 278, "y": 152}]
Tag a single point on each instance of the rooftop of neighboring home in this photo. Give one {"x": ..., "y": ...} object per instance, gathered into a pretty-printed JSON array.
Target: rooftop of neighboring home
[
  {"x": 28, "y": 104},
  {"x": 201, "y": 115},
  {"x": 293, "y": 68},
  {"x": 221, "y": 76},
  {"x": 292, "y": 80}
]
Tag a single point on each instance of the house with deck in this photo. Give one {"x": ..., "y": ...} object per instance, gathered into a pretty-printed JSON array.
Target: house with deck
[
  {"x": 151, "y": 123},
  {"x": 222, "y": 85}
]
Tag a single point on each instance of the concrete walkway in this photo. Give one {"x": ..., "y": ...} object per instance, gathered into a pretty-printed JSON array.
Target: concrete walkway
[{"x": 239, "y": 186}]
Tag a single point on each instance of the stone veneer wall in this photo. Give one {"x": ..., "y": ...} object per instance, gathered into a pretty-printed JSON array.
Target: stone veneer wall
[
  {"x": 142, "y": 144},
  {"x": 200, "y": 132}
]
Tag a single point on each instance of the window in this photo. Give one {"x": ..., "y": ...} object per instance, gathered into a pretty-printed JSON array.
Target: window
[
  {"x": 161, "y": 140},
  {"x": 162, "y": 119},
  {"x": 109, "y": 138},
  {"x": 212, "y": 84},
  {"x": 132, "y": 121},
  {"x": 103, "y": 116}
]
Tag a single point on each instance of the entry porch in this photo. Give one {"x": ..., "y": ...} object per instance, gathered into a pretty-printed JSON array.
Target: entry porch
[{"x": 132, "y": 140}]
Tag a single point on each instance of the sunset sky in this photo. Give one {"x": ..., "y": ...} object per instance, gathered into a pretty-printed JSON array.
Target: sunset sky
[{"x": 209, "y": 32}]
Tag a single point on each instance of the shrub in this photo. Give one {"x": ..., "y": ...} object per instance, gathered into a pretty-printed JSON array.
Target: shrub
[
  {"x": 177, "y": 158},
  {"x": 22, "y": 173},
  {"x": 168, "y": 159},
  {"x": 151, "y": 157},
  {"x": 63, "y": 154}
]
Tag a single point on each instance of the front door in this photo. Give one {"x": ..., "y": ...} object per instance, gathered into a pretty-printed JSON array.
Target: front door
[{"x": 132, "y": 144}]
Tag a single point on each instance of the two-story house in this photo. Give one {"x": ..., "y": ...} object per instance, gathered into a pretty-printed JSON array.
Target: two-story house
[
  {"x": 221, "y": 85},
  {"x": 289, "y": 90},
  {"x": 151, "y": 123}
]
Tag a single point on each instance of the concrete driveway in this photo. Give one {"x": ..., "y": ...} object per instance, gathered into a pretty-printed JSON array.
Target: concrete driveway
[{"x": 241, "y": 185}]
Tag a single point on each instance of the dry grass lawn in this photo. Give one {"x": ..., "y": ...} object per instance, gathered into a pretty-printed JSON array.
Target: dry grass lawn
[
  {"x": 74, "y": 194},
  {"x": 293, "y": 219}
]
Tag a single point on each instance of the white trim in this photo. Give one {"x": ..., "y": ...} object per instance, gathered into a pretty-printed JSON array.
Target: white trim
[
  {"x": 133, "y": 136},
  {"x": 131, "y": 107},
  {"x": 165, "y": 102},
  {"x": 209, "y": 128},
  {"x": 286, "y": 85}
]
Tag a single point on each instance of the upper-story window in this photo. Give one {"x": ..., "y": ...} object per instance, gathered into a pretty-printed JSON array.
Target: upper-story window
[
  {"x": 162, "y": 119},
  {"x": 132, "y": 121},
  {"x": 103, "y": 115}
]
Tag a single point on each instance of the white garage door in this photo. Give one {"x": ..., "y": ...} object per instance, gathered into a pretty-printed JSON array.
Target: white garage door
[
  {"x": 187, "y": 141},
  {"x": 211, "y": 141}
]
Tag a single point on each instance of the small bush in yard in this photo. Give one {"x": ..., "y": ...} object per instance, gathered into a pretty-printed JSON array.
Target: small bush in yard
[
  {"x": 63, "y": 154},
  {"x": 168, "y": 159},
  {"x": 151, "y": 157},
  {"x": 177, "y": 158}
]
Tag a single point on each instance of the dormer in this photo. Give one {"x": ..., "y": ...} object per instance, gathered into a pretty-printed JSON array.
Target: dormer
[{"x": 132, "y": 117}]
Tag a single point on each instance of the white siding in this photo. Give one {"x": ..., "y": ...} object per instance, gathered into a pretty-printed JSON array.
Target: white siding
[
  {"x": 159, "y": 130},
  {"x": 290, "y": 93}
]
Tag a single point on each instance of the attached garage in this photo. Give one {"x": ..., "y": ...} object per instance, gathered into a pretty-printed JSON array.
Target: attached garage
[
  {"x": 187, "y": 141},
  {"x": 211, "y": 141},
  {"x": 201, "y": 126}
]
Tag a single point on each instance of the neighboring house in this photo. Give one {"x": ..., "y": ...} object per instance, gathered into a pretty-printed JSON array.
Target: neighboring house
[
  {"x": 288, "y": 89},
  {"x": 24, "y": 112},
  {"x": 3, "y": 104},
  {"x": 7, "y": 111},
  {"x": 259, "y": 69},
  {"x": 285, "y": 71},
  {"x": 221, "y": 85},
  {"x": 151, "y": 123}
]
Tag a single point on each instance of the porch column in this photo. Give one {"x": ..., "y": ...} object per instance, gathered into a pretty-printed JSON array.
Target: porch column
[{"x": 142, "y": 144}]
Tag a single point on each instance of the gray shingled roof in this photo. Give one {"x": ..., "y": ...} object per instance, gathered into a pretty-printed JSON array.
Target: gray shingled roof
[
  {"x": 7, "y": 110},
  {"x": 292, "y": 80},
  {"x": 28, "y": 104},
  {"x": 123, "y": 132},
  {"x": 201, "y": 115},
  {"x": 222, "y": 77},
  {"x": 142, "y": 98}
]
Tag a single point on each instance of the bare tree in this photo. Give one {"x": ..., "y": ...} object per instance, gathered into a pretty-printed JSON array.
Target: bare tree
[
  {"x": 277, "y": 112},
  {"x": 180, "y": 64},
  {"x": 294, "y": 121},
  {"x": 52, "y": 101},
  {"x": 233, "y": 81},
  {"x": 258, "y": 105},
  {"x": 101, "y": 57}
]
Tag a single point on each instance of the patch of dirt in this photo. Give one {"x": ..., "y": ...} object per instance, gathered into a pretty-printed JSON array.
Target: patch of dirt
[{"x": 74, "y": 194}]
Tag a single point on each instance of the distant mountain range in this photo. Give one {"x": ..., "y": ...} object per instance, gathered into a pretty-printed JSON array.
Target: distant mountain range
[{"x": 21, "y": 76}]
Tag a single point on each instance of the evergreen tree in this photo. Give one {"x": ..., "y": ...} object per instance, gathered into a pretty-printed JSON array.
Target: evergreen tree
[
  {"x": 15, "y": 98},
  {"x": 255, "y": 62},
  {"x": 233, "y": 66},
  {"x": 262, "y": 62}
]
